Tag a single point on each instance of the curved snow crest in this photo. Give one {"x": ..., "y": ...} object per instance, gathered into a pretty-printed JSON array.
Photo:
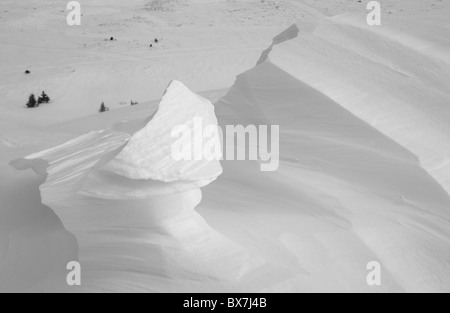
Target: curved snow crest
[
  {"x": 395, "y": 80},
  {"x": 132, "y": 206},
  {"x": 290, "y": 33},
  {"x": 111, "y": 164},
  {"x": 148, "y": 154},
  {"x": 66, "y": 166}
]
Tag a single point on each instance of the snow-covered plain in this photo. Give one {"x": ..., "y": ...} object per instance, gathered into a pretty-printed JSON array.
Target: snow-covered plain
[{"x": 364, "y": 115}]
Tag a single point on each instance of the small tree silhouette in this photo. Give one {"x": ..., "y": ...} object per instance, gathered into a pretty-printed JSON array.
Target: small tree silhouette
[
  {"x": 43, "y": 98},
  {"x": 32, "y": 103},
  {"x": 103, "y": 108}
]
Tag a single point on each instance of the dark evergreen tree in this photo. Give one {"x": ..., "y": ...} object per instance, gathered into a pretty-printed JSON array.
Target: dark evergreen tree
[
  {"x": 103, "y": 108},
  {"x": 43, "y": 98},
  {"x": 32, "y": 103}
]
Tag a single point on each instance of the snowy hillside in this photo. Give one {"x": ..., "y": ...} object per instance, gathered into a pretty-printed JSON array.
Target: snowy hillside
[{"x": 364, "y": 151}]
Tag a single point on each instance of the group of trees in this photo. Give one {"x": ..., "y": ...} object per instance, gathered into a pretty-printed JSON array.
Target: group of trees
[
  {"x": 44, "y": 98},
  {"x": 33, "y": 103},
  {"x": 104, "y": 108}
]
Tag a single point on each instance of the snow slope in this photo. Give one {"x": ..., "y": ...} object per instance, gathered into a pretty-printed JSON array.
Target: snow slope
[
  {"x": 364, "y": 144},
  {"x": 344, "y": 194},
  {"x": 89, "y": 183},
  {"x": 395, "y": 81}
]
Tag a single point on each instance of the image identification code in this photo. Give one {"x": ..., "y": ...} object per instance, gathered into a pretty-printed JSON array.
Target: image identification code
[{"x": 232, "y": 303}]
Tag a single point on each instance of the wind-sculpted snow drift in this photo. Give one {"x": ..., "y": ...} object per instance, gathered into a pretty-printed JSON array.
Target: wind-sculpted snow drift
[
  {"x": 350, "y": 184},
  {"x": 118, "y": 192},
  {"x": 350, "y": 188},
  {"x": 395, "y": 77}
]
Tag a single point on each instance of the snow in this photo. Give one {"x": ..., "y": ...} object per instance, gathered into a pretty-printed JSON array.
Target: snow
[
  {"x": 364, "y": 147},
  {"x": 118, "y": 165},
  {"x": 327, "y": 209},
  {"x": 396, "y": 82},
  {"x": 148, "y": 154}
]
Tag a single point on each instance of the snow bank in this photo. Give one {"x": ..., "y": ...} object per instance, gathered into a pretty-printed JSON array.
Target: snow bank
[
  {"x": 148, "y": 154},
  {"x": 395, "y": 77},
  {"x": 350, "y": 188},
  {"x": 346, "y": 193},
  {"x": 66, "y": 166},
  {"x": 117, "y": 191},
  {"x": 112, "y": 164}
]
